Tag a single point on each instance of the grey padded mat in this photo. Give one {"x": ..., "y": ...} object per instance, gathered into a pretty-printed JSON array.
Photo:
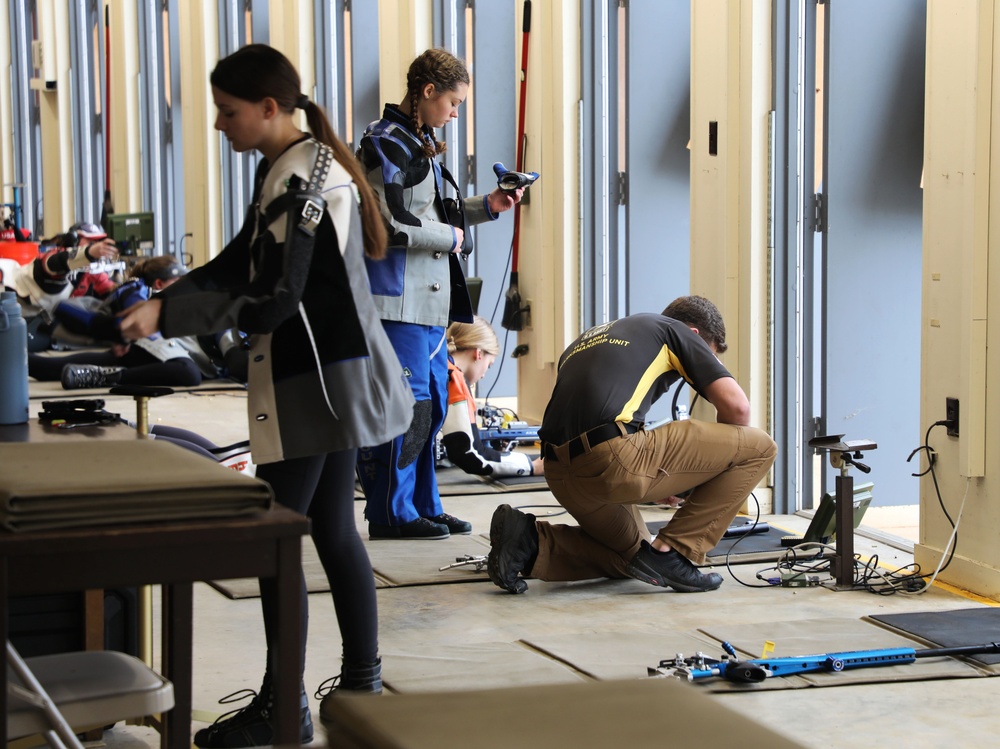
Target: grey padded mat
[
  {"x": 950, "y": 629},
  {"x": 755, "y": 547},
  {"x": 395, "y": 563},
  {"x": 616, "y": 655},
  {"x": 608, "y": 656},
  {"x": 473, "y": 666}
]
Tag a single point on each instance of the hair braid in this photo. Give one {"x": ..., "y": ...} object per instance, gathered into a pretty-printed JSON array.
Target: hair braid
[{"x": 445, "y": 72}]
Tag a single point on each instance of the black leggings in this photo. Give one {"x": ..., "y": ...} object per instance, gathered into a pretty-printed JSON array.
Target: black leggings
[
  {"x": 142, "y": 368},
  {"x": 322, "y": 487}
]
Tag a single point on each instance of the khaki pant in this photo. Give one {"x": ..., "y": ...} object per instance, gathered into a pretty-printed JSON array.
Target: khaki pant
[{"x": 602, "y": 487}]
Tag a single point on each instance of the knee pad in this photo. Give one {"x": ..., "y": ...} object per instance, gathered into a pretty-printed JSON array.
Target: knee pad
[{"x": 417, "y": 435}]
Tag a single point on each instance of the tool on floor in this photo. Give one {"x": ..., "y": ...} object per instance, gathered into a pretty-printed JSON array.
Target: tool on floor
[
  {"x": 753, "y": 671},
  {"x": 467, "y": 561}
]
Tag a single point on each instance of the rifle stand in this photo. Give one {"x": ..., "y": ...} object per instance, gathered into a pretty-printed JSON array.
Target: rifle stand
[{"x": 843, "y": 455}]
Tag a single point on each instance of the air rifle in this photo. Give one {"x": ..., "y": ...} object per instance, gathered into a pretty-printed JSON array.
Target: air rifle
[
  {"x": 522, "y": 433},
  {"x": 753, "y": 671}
]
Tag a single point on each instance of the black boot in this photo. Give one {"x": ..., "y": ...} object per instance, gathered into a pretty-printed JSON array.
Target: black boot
[
  {"x": 356, "y": 678},
  {"x": 250, "y": 725}
]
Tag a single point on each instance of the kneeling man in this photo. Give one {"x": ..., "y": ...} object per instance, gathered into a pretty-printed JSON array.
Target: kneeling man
[{"x": 601, "y": 463}]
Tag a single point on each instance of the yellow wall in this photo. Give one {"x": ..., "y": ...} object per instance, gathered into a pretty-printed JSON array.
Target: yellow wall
[
  {"x": 202, "y": 176},
  {"x": 961, "y": 260},
  {"x": 550, "y": 241},
  {"x": 55, "y": 120},
  {"x": 730, "y": 85}
]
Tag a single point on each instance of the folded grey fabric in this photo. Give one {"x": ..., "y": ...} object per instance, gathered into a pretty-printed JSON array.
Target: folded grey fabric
[{"x": 103, "y": 482}]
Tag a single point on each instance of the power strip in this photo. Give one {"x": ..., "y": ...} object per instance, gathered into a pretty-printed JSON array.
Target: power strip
[{"x": 798, "y": 580}]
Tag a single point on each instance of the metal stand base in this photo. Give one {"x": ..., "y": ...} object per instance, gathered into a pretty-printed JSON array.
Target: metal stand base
[{"x": 843, "y": 454}]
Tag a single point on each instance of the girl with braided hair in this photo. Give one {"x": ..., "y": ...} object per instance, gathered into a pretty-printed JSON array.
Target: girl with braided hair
[{"x": 418, "y": 288}]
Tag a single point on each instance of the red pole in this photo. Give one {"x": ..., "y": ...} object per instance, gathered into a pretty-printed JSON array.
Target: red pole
[
  {"x": 525, "y": 29},
  {"x": 107, "y": 100}
]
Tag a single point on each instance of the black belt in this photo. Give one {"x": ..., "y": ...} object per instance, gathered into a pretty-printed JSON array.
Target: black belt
[{"x": 595, "y": 436}]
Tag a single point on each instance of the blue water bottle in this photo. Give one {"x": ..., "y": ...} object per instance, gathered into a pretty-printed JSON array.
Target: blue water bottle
[{"x": 13, "y": 361}]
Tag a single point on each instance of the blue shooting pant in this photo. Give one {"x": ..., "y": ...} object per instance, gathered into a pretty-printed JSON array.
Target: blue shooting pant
[{"x": 398, "y": 477}]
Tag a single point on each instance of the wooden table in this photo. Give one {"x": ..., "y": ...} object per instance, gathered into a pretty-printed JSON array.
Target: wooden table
[{"x": 174, "y": 555}]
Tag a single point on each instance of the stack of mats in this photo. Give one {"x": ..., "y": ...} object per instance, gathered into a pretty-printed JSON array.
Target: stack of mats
[{"x": 87, "y": 482}]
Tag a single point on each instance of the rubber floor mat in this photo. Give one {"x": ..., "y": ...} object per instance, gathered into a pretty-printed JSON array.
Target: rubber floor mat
[{"x": 951, "y": 629}]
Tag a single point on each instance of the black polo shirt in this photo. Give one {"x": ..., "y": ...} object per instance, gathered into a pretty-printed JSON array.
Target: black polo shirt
[{"x": 616, "y": 371}]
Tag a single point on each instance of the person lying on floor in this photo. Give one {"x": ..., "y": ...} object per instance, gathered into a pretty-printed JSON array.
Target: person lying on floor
[
  {"x": 472, "y": 349},
  {"x": 149, "y": 361},
  {"x": 45, "y": 282}
]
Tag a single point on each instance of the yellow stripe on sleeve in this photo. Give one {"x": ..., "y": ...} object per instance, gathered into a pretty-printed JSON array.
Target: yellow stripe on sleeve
[{"x": 665, "y": 361}]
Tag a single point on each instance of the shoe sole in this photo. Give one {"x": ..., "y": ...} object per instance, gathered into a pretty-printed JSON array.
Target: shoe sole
[
  {"x": 640, "y": 574},
  {"x": 408, "y": 538},
  {"x": 497, "y": 525}
]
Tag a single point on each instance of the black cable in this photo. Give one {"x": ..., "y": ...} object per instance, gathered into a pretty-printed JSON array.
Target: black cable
[
  {"x": 729, "y": 567},
  {"x": 931, "y": 462},
  {"x": 493, "y": 315},
  {"x": 677, "y": 395}
]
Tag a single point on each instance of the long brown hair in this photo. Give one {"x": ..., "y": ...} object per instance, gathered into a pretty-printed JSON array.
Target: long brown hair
[
  {"x": 256, "y": 72},
  {"x": 445, "y": 71}
]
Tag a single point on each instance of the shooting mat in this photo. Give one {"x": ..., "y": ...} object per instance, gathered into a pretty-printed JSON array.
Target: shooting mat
[
  {"x": 616, "y": 655},
  {"x": 473, "y": 666},
  {"x": 949, "y": 629},
  {"x": 751, "y": 548},
  {"x": 401, "y": 562}
]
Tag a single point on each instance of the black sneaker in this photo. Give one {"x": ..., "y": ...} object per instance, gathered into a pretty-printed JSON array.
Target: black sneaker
[
  {"x": 455, "y": 526},
  {"x": 250, "y": 725},
  {"x": 422, "y": 528},
  {"x": 351, "y": 680},
  {"x": 76, "y": 376},
  {"x": 670, "y": 569},
  {"x": 513, "y": 548}
]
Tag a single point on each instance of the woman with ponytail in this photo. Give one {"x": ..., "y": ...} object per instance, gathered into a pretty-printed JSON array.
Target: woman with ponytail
[
  {"x": 419, "y": 288},
  {"x": 323, "y": 379}
]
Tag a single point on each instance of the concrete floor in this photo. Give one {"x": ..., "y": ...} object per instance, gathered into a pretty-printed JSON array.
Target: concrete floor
[{"x": 438, "y": 622}]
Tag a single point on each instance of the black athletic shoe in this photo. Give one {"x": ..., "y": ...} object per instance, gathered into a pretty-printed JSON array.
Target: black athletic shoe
[
  {"x": 76, "y": 376},
  {"x": 670, "y": 569},
  {"x": 352, "y": 679},
  {"x": 422, "y": 528},
  {"x": 455, "y": 526},
  {"x": 251, "y": 725},
  {"x": 513, "y": 548}
]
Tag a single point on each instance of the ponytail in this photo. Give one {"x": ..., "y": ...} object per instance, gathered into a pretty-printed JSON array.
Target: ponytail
[{"x": 372, "y": 223}]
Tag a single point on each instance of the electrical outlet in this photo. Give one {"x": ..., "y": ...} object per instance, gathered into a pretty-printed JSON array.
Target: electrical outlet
[{"x": 951, "y": 416}]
